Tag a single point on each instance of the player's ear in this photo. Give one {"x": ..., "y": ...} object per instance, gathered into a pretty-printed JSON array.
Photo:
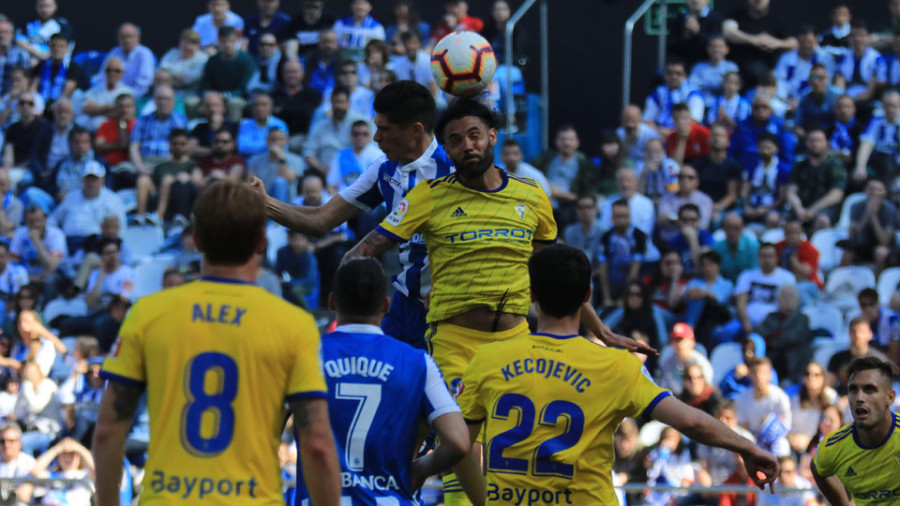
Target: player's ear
[
  {"x": 197, "y": 242},
  {"x": 331, "y": 305},
  {"x": 492, "y": 136},
  {"x": 531, "y": 292},
  {"x": 590, "y": 292},
  {"x": 386, "y": 305}
]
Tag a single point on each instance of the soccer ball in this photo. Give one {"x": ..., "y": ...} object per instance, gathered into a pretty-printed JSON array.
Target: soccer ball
[{"x": 463, "y": 64}]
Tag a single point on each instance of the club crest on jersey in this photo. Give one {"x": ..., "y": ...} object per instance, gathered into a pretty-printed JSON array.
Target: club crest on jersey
[
  {"x": 520, "y": 210},
  {"x": 457, "y": 387},
  {"x": 398, "y": 213},
  {"x": 114, "y": 352}
]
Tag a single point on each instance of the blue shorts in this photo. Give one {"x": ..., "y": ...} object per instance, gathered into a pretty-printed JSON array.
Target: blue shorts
[{"x": 406, "y": 320}]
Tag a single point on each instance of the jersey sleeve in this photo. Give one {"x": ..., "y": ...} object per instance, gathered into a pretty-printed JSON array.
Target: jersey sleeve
[
  {"x": 470, "y": 402},
  {"x": 436, "y": 400},
  {"x": 408, "y": 215},
  {"x": 546, "y": 231},
  {"x": 126, "y": 362},
  {"x": 307, "y": 380},
  {"x": 643, "y": 394},
  {"x": 823, "y": 460},
  {"x": 364, "y": 192}
]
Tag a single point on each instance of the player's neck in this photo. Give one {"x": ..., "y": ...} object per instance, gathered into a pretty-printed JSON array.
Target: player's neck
[
  {"x": 245, "y": 272},
  {"x": 490, "y": 180},
  {"x": 565, "y": 326},
  {"x": 358, "y": 320},
  {"x": 876, "y": 435},
  {"x": 420, "y": 148}
]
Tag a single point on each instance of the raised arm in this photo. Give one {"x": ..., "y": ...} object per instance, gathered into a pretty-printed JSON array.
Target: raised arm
[
  {"x": 318, "y": 453},
  {"x": 117, "y": 410},
  {"x": 374, "y": 244},
  {"x": 316, "y": 221}
]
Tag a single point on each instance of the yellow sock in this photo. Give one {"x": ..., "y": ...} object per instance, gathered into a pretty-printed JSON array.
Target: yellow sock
[{"x": 453, "y": 492}]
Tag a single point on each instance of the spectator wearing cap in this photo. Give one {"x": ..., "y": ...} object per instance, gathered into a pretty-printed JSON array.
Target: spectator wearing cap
[
  {"x": 253, "y": 131},
  {"x": 80, "y": 214},
  {"x": 66, "y": 177},
  {"x": 682, "y": 354},
  {"x": 138, "y": 60}
]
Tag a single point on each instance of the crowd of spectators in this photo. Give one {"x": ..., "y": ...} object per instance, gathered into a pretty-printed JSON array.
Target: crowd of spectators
[{"x": 753, "y": 191}]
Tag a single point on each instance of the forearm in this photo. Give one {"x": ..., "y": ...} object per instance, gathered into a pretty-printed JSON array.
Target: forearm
[
  {"x": 93, "y": 297},
  {"x": 592, "y": 322},
  {"x": 740, "y": 303},
  {"x": 471, "y": 479},
  {"x": 372, "y": 245},
  {"x": 108, "y": 450},
  {"x": 863, "y": 154},
  {"x": 318, "y": 453},
  {"x": 831, "y": 198},
  {"x": 831, "y": 488},
  {"x": 47, "y": 261},
  {"x": 300, "y": 218}
]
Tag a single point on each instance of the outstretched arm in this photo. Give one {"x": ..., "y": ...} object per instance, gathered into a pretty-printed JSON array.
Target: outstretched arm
[
  {"x": 316, "y": 221},
  {"x": 830, "y": 487},
  {"x": 374, "y": 244},
  {"x": 705, "y": 429},
  {"x": 117, "y": 410}
]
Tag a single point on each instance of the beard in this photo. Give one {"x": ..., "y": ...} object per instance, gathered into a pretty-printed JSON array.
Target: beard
[{"x": 474, "y": 165}]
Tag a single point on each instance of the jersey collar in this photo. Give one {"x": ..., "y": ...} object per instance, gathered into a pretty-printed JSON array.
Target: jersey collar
[
  {"x": 359, "y": 328},
  {"x": 856, "y": 440},
  {"x": 421, "y": 161},
  {"x": 554, "y": 336},
  {"x": 216, "y": 279}
]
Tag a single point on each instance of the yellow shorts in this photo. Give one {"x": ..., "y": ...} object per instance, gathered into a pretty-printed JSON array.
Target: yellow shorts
[{"x": 453, "y": 347}]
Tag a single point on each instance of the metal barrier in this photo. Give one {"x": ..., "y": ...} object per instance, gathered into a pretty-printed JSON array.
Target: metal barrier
[
  {"x": 717, "y": 489},
  {"x": 8, "y": 486},
  {"x": 629, "y": 43},
  {"x": 545, "y": 71}
]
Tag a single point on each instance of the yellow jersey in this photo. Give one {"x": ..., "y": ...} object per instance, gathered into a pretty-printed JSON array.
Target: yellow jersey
[
  {"x": 478, "y": 242},
  {"x": 218, "y": 358},
  {"x": 551, "y": 405},
  {"x": 870, "y": 474}
]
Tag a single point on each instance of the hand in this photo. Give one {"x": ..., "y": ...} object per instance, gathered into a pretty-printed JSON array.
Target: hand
[
  {"x": 859, "y": 174},
  {"x": 614, "y": 340},
  {"x": 756, "y": 462},
  {"x": 257, "y": 185},
  {"x": 677, "y": 271},
  {"x": 35, "y": 235},
  {"x": 417, "y": 474},
  {"x": 277, "y": 153},
  {"x": 741, "y": 371},
  {"x": 692, "y": 25},
  {"x": 607, "y": 302},
  {"x": 690, "y": 232},
  {"x": 803, "y": 214}
]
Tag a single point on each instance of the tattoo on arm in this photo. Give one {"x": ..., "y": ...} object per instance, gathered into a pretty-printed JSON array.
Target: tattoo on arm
[
  {"x": 126, "y": 400},
  {"x": 306, "y": 413},
  {"x": 372, "y": 245}
]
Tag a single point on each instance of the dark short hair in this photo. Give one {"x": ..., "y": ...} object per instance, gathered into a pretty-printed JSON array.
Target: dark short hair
[
  {"x": 690, "y": 206},
  {"x": 462, "y": 108},
  {"x": 805, "y": 29},
  {"x": 359, "y": 288},
  {"x": 560, "y": 279},
  {"x": 78, "y": 130},
  {"x": 758, "y": 361},
  {"x": 859, "y": 24},
  {"x": 768, "y": 245},
  {"x": 360, "y": 123},
  {"x": 404, "y": 103},
  {"x": 867, "y": 294},
  {"x": 123, "y": 96},
  {"x": 767, "y": 136},
  {"x": 887, "y": 368},
  {"x": 178, "y": 132},
  {"x": 508, "y": 143},
  {"x": 712, "y": 256},
  {"x": 818, "y": 66},
  {"x": 227, "y": 31},
  {"x": 405, "y": 36},
  {"x": 230, "y": 222},
  {"x": 619, "y": 203},
  {"x": 58, "y": 36},
  {"x": 106, "y": 241},
  {"x": 675, "y": 60},
  {"x": 680, "y": 107},
  {"x": 340, "y": 90}
]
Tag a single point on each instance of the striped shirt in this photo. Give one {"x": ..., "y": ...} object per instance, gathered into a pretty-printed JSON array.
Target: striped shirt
[
  {"x": 792, "y": 71},
  {"x": 887, "y": 70},
  {"x": 388, "y": 182},
  {"x": 858, "y": 71},
  {"x": 658, "y": 108},
  {"x": 153, "y": 133},
  {"x": 884, "y": 134}
]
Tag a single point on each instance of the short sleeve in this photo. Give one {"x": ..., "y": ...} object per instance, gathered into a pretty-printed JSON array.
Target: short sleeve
[
  {"x": 470, "y": 399},
  {"x": 125, "y": 362},
  {"x": 364, "y": 192},
  {"x": 546, "y": 228},
  {"x": 643, "y": 393},
  {"x": 135, "y": 135},
  {"x": 409, "y": 215},
  {"x": 823, "y": 460},
  {"x": 306, "y": 379},
  {"x": 869, "y": 133},
  {"x": 436, "y": 400},
  {"x": 743, "y": 283}
]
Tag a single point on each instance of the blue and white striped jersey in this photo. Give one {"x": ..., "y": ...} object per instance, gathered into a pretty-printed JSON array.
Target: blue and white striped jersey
[
  {"x": 379, "y": 389},
  {"x": 658, "y": 107},
  {"x": 389, "y": 182},
  {"x": 884, "y": 134},
  {"x": 792, "y": 72}
]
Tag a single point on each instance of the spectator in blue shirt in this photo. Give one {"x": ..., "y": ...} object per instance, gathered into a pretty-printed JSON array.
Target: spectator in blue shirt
[
  {"x": 708, "y": 296},
  {"x": 765, "y": 183},
  {"x": 745, "y": 136},
  {"x": 138, "y": 59},
  {"x": 707, "y": 76},
  {"x": 739, "y": 251},
  {"x": 252, "y": 132},
  {"x": 623, "y": 249},
  {"x": 585, "y": 234},
  {"x": 11, "y": 56},
  {"x": 296, "y": 265},
  {"x": 845, "y": 131},
  {"x": 816, "y": 107},
  {"x": 658, "y": 108},
  {"x": 150, "y": 136},
  {"x": 878, "y": 144},
  {"x": 269, "y": 19}
]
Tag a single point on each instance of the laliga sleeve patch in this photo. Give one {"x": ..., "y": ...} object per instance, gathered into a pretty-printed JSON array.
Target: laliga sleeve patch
[{"x": 399, "y": 212}]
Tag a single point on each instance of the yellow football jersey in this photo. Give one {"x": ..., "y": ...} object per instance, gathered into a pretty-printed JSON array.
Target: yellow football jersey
[
  {"x": 870, "y": 474},
  {"x": 551, "y": 405},
  {"x": 478, "y": 242},
  {"x": 219, "y": 358}
]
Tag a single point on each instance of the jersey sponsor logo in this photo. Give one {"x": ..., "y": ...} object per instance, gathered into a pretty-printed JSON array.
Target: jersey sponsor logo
[
  {"x": 369, "y": 482},
  {"x": 459, "y": 213},
  {"x": 850, "y": 473},
  {"x": 199, "y": 487},
  {"x": 390, "y": 180},
  {"x": 520, "y": 210},
  {"x": 528, "y": 496},
  {"x": 114, "y": 352},
  {"x": 880, "y": 496},
  {"x": 399, "y": 212},
  {"x": 496, "y": 234}
]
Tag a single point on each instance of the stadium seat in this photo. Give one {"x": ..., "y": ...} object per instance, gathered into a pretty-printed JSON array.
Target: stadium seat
[
  {"x": 887, "y": 284},
  {"x": 129, "y": 199},
  {"x": 851, "y": 279},
  {"x": 148, "y": 276},
  {"x": 824, "y": 353},
  {"x": 773, "y": 235},
  {"x": 649, "y": 434},
  {"x": 825, "y": 243},
  {"x": 827, "y": 317},
  {"x": 68, "y": 307},
  {"x": 144, "y": 240},
  {"x": 723, "y": 359},
  {"x": 276, "y": 235},
  {"x": 844, "y": 220}
]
